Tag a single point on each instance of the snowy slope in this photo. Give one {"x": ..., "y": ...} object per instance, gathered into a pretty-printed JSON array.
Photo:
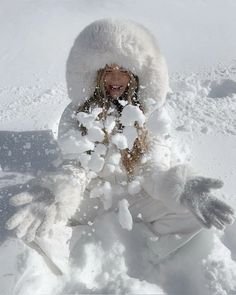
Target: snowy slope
[
  {"x": 192, "y": 34},
  {"x": 198, "y": 40}
]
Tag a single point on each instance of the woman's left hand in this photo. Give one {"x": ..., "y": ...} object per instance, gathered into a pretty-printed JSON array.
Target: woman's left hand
[{"x": 209, "y": 210}]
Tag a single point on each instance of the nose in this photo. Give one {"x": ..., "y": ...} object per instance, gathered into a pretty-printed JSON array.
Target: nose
[{"x": 116, "y": 77}]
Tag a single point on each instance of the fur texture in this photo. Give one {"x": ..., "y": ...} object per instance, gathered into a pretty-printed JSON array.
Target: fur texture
[{"x": 125, "y": 43}]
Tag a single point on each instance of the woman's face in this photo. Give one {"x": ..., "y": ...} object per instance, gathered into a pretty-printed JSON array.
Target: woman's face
[{"x": 116, "y": 80}]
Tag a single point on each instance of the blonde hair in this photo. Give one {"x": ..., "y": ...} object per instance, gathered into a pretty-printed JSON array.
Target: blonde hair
[{"x": 130, "y": 158}]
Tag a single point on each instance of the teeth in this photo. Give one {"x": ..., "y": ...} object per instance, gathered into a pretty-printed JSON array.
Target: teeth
[{"x": 115, "y": 87}]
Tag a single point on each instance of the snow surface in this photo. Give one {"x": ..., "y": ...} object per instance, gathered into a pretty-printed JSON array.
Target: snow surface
[{"x": 198, "y": 40}]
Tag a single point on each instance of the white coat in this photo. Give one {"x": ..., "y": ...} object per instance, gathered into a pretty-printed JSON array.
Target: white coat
[{"x": 156, "y": 202}]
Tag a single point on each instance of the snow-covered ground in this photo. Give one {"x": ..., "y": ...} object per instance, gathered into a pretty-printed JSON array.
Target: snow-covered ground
[{"x": 198, "y": 40}]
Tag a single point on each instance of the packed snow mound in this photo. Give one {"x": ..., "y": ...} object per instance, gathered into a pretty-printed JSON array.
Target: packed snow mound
[
  {"x": 32, "y": 107},
  {"x": 223, "y": 88},
  {"x": 102, "y": 264},
  {"x": 220, "y": 281},
  {"x": 193, "y": 108}
]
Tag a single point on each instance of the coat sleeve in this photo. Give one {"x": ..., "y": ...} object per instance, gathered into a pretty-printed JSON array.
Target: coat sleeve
[
  {"x": 70, "y": 139},
  {"x": 72, "y": 145},
  {"x": 161, "y": 180}
]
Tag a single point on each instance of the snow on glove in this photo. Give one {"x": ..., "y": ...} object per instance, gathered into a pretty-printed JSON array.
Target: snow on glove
[
  {"x": 209, "y": 210},
  {"x": 37, "y": 212},
  {"x": 51, "y": 197}
]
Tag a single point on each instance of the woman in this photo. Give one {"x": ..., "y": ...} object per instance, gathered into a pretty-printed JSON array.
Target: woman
[
  {"x": 116, "y": 147},
  {"x": 122, "y": 62}
]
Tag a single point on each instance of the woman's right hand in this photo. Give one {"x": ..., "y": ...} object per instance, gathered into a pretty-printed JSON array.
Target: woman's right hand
[
  {"x": 49, "y": 198},
  {"x": 36, "y": 213}
]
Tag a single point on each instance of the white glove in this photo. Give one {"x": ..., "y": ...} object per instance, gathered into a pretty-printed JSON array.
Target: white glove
[
  {"x": 50, "y": 198},
  {"x": 209, "y": 210}
]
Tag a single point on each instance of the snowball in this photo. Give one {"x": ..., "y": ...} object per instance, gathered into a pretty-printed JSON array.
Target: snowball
[
  {"x": 134, "y": 187},
  {"x": 120, "y": 141},
  {"x": 131, "y": 134},
  {"x": 96, "y": 112},
  {"x": 75, "y": 143},
  {"x": 110, "y": 168},
  {"x": 107, "y": 195},
  {"x": 114, "y": 158},
  {"x": 144, "y": 159},
  {"x": 132, "y": 114},
  {"x": 159, "y": 122},
  {"x": 85, "y": 119},
  {"x": 88, "y": 120},
  {"x": 98, "y": 124},
  {"x": 140, "y": 216},
  {"x": 125, "y": 218},
  {"x": 110, "y": 123},
  {"x": 123, "y": 102},
  {"x": 83, "y": 145},
  {"x": 84, "y": 159},
  {"x": 95, "y": 134},
  {"x": 96, "y": 163},
  {"x": 100, "y": 149}
]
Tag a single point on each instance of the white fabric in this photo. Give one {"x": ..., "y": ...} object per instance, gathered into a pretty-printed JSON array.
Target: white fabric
[{"x": 125, "y": 43}]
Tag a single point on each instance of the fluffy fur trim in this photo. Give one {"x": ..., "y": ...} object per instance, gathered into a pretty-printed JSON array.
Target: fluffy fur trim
[{"x": 125, "y": 43}]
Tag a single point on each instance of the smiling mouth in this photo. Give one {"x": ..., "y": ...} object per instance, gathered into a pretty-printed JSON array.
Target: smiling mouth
[{"x": 115, "y": 87}]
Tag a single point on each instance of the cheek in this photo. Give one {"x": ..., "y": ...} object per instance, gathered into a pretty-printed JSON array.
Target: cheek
[
  {"x": 126, "y": 81},
  {"x": 105, "y": 81}
]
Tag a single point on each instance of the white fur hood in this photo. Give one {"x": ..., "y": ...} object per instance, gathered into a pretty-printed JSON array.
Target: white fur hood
[{"x": 125, "y": 43}]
